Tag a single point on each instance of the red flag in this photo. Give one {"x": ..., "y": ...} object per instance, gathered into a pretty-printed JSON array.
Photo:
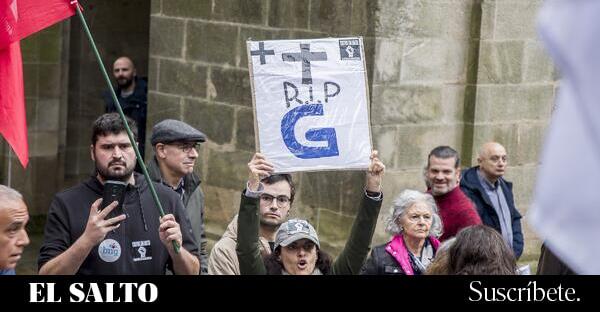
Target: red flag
[
  {"x": 13, "y": 126},
  {"x": 19, "y": 19}
]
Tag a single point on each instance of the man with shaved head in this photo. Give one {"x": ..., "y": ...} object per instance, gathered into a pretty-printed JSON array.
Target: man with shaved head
[
  {"x": 13, "y": 237},
  {"x": 492, "y": 194},
  {"x": 132, "y": 94}
]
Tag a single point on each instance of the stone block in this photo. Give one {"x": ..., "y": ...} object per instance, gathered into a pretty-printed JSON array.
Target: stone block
[
  {"x": 514, "y": 103},
  {"x": 239, "y": 11},
  {"x": 406, "y": 104},
  {"x": 161, "y": 107},
  {"x": 50, "y": 44},
  {"x": 231, "y": 86},
  {"x": 385, "y": 141},
  {"x": 364, "y": 15},
  {"x": 30, "y": 79},
  {"x": 319, "y": 190},
  {"x": 186, "y": 8},
  {"x": 335, "y": 190},
  {"x": 415, "y": 143},
  {"x": 228, "y": 170},
  {"x": 423, "y": 19},
  {"x": 46, "y": 178},
  {"x": 531, "y": 139},
  {"x": 506, "y": 134},
  {"x": 220, "y": 206},
  {"x": 31, "y": 113},
  {"x": 333, "y": 229},
  {"x": 182, "y": 78},
  {"x": 244, "y": 131},
  {"x": 351, "y": 191},
  {"x": 387, "y": 61},
  {"x": 500, "y": 62},
  {"x": 516, "y": 19},
  {"x": 453, "y": 103},
  {"x": 213, "y": 43},
  {"x": 215, "y": 120},
  {"x": 30, "y": 50},
  {"x": 153, "y": 73},
  {"x": 538, "y": 66},
  {"x": 303, "y": 34},
  {"x": 434, "y": 60},
  {"x": 370, "y": 49},
  {"x": 523, "y": 179},
  {"x": 256, "y": 34},
  {"x": 397, "y": 181},
  {"x": 49, "y": 80},
  {"x": 43, "y": 143},
  {"x": 48, "y": 111},
  {"x": 155, "y": 7},
  {"x": 289, "y": 14},
  {"x": 488, "y": 19},
  {"x": 167, "y": 37},
  {"x": 331, "y": 16}
]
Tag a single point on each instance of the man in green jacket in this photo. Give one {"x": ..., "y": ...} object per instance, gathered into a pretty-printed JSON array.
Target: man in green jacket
[
  {"x": 175, "y": 146},
  {"x": 296, "y": 249}
]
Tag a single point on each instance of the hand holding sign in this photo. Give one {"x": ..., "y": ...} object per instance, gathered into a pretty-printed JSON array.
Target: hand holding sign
[
  {"x": 375, "y": 173},
  {"x": 258, "y": 168}
]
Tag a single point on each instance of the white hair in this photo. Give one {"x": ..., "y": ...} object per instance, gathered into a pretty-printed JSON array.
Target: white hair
[
  {"x": 405, "y": 200},
  {"x": 7, "y": 193}
]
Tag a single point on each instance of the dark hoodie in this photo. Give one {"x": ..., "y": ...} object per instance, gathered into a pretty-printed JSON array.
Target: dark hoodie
[{"x": 67, "y": 219}]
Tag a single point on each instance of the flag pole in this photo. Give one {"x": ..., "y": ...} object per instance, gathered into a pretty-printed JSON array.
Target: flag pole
[
  {"x": 120, "y": 110},
  {"x": 9, "y": 176}
]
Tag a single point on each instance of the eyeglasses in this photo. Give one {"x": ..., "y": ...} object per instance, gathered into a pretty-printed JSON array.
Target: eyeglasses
[
  {"x": 187, "y": 147},
  {"x": 282, "y": 200}
]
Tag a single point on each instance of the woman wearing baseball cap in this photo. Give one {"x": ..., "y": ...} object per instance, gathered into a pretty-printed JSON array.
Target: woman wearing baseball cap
[{"x": 296, "y": 246}]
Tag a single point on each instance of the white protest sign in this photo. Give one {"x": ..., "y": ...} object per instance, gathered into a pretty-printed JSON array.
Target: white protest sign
[{"x": 310, "y": 103}]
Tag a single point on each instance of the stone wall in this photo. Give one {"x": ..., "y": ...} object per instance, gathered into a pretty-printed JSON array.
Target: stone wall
[
  {"x": 44, "y": 75},
  {"x": 119, "y": 28},
  {"x": 452, "y": 72},
  {"x": 516, "y": 87}
]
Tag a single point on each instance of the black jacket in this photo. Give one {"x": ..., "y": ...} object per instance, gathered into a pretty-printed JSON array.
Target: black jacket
[
  {"x": 134, "y": 106},
  {"x": 381, "y": 263},
  {"x": 69, "y": 212},
  {"x": 472, "y": 187}
]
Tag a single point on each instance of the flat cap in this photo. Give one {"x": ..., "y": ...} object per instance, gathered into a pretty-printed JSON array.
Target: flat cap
[{"x": 171, "y": 130}]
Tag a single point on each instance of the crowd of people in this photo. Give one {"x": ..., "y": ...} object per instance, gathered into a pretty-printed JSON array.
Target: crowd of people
[{"x": 459, "y": 223}]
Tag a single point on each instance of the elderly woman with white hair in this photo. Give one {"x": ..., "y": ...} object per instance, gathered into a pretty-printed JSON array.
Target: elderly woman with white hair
[{"x": 415, "y": 225}]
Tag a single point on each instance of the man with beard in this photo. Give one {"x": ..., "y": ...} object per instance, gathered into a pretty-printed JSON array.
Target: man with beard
[
  {"x": 493, "y": 195},
  {"x": 132, "y": 93},
  {"x": 80, "y": 238},
  {"x": 442, "y": 177},
  {"x": 276, "y": 198}
]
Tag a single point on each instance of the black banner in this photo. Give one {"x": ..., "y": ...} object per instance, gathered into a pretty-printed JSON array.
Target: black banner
[{"x": 338, "y": 291}]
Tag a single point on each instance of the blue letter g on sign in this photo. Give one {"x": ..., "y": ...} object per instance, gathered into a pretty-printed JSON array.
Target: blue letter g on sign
[{"x": 320, "y": 134}]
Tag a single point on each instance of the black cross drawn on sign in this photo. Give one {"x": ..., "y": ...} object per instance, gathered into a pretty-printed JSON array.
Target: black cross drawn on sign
[
  {"x": 262, "y": 52},
  {"x": 305, "y": 56}
]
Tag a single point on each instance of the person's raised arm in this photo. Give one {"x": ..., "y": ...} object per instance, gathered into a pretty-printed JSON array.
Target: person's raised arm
[
  {"x": 358, "y": 244},
  {"x": 247, "y": 248}
]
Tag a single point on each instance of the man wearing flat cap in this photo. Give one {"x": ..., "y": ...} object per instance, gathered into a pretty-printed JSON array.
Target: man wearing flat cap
[{"x": 175, "y": 146}]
